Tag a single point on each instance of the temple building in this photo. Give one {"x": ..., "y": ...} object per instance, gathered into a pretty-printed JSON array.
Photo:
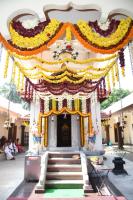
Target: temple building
[{"x": 64, "y": 65}]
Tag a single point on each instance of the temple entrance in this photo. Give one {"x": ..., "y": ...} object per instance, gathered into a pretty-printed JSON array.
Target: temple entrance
[{"x": 64, "y": 130}]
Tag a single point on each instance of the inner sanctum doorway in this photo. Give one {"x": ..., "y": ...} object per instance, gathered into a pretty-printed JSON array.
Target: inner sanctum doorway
[{"x": 64, "y": 130}]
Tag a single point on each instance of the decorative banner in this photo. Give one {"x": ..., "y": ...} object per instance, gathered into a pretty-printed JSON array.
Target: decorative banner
[{"x": 89, "y": 37}]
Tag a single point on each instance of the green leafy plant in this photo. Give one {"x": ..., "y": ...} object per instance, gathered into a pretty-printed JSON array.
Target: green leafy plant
[{"x": 115, "y": 96}]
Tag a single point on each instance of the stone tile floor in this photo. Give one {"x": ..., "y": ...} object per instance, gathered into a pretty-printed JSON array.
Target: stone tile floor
[{"x": 12, "y": 173}]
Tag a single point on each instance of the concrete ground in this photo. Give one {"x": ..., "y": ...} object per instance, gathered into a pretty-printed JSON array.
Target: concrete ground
[
  {"x": 124, "y": 183},
  {"x": 12, "y": 173}
]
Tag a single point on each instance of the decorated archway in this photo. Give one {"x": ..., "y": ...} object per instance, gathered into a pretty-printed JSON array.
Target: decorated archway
[{"x": 65, "y": 68}]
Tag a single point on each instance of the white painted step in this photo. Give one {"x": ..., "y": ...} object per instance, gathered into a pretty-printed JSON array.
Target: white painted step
[
  {"x": 64, "y": 184},
  {"x": 64, "y": 176},
  {"x": 64, "y": 155},
  {"x": 64, "y": 160},
  {"x": 66, "y": 167}
]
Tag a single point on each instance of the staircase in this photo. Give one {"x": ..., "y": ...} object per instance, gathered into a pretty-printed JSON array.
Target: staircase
[{"x": 64, "y": 170}]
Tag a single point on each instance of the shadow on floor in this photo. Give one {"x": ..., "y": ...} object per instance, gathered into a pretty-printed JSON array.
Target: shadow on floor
[{"x": 23, "y": 191}]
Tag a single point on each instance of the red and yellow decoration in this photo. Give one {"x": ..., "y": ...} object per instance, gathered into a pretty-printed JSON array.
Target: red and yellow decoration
[
  {"x": 36, "y": 41},
  {"x": 82, "y": 31}
]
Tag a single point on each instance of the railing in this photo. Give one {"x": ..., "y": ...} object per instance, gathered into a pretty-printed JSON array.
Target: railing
[{"x": 40, "y": 187}]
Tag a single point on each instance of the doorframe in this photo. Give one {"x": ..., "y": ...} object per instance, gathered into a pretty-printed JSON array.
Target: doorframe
[{"x": 69, "y": 123}]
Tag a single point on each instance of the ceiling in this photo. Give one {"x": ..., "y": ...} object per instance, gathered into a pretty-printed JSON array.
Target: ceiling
[{"x": 101, "y": 9}]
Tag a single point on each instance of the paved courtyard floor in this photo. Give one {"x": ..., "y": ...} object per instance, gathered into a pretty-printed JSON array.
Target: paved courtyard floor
[{"x": 12, "y": 173}]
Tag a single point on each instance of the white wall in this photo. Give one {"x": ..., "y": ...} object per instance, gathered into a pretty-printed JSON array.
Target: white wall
[{"x": 8, "y": 7}]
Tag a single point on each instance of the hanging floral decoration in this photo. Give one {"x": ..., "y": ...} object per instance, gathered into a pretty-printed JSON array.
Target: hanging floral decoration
[
  {"x": 67, "y": 75},
  {"x": 30, "y": 32},
  {"x": 105, "y": 42},
  {"x": 106, "y": 29},
  {"x": 61, "y": 61},
  {"x": 65, "y": 67},
  {"x": 65, "y": 109},
  {"x": 82, "y": 31},
  {"x": 72, "y": 112},
  {"x": 65, "y": 48},
  {"x": 58, "y": 89},
  {"x": 122, "y": 61},
  {"x": 6, "y": 65},
  {"x": 35, "y": 39}
]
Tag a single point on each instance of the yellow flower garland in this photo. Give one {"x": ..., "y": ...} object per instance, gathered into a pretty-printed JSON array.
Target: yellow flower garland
[
  {"x": 64, "y": 109},
  {"x": 113, "y": 39},
  {"x": 6, "y": 65},
  {"x": 63, "y": 69},
  {"x": 66, "y": 76},
  {"x": 108, "y": 82},
  {"x": 37, "y": 40},
  {"x": 64, "y": 60},
  {"x": 68, "y": 34},
  {"x": 13, "y": 72},
  {"x": 116, "y": 72}
]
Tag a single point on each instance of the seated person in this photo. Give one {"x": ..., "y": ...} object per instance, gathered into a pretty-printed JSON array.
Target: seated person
[
  {"x": 13, "y": 147},
  {"x": 2, "y": 141},
  {"x": 19, "y": 146},
  {"x": 8, "y": 152}
]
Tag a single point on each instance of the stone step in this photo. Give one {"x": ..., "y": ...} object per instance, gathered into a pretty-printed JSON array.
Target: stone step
[
  {"x": 63, "y": 161},
  {"x": 64, "y": 168},
  {"x": 64, "y": 176},
  {"x": 64, "y": 184},
  {"x": 64, "y": 155}
]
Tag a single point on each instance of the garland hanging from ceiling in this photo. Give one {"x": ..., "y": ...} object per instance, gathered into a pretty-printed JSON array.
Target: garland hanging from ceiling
[
  {"x": 61, "y": 61},
  {"x": 89, "y": 37},
  {"x": 66, "y": 76},
  {"x": 44, "y": 87}
]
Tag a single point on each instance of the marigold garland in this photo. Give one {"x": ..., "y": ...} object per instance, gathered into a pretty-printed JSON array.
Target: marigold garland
[
  {"x": 82, "y": 131},
  {"x": 119, "y": 42},
  {"x": 21, "y": 30},
  {"x": 111, "y": 40},
  {"x": 68, "y": 34},
  {"x": 6, "y": 65},
  {"x": 64, "y": 68},
  {"x": 111, "y": 28},
  {"x": 37, "y": 40},
  {"x": 66, "y": 76},
  {"x": 13, "y": 72},
  {"x": 116, "y": 72},
  {"x": 64, "y": 109},
  {"x": 86, "y": 61}
]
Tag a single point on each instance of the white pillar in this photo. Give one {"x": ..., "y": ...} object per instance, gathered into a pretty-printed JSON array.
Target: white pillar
[
  {"x": 52, "y": 131},
  {"x": 34, "y": 113},
  {"x": 75, "y": 131},
  {"x": 96, "y": 121}
]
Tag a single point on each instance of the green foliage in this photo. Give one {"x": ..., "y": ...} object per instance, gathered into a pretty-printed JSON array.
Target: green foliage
[
  {"x": 8, "y": 90},
  {"x": 115, "y": 96}
]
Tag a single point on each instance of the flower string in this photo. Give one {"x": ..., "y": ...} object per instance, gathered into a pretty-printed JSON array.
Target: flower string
[{"x": 6, "y": 65}]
